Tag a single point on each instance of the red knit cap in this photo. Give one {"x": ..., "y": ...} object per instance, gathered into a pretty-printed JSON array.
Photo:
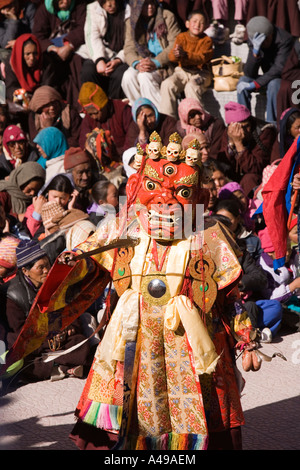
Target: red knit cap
[{"x": 75, "y": 156}]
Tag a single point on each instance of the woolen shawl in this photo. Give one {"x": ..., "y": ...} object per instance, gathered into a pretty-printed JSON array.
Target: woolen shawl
[{"x": 18, "y": 178}]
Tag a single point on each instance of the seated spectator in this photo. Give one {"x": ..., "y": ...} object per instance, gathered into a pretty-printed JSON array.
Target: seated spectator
[
  {"x": 8, "y": 257},
  {"x": 265, "y": 314},
  {"x": 248, "y": 207},
  {"x": 288, "y": 94},
  {"x": 194, "y": 119},
  {"x": 147, "y": 119},
  {"x": 51, "y": 145},
  {"x": 24, "y": 69},
  {"x": 149, "y": 37},
  {"x": 47, "y": 109},
  {"x": 213, "y": 196},
  {"x": 269, "y": 47},
  {"x": 4, "y": 121},
  {"x": 59, "y": 26},
  {"x": 16, "y": 19},
  {"x": 21, "y": 186},
  {"x": 33, "y": 267},
  {"x": 230, "y": 208},
  {"x": 192, "y": 53},
  {"x": 128, "y": 161},
  {"x": 16, "y": 150},
  {"x": 105, "y": 201},
  {"x": 289, "y": 129},
  {"x": 78, "y": 167},
  {"x": 204, "y": 146},
  {"x": 104, "y": 113},
  {"x": 104, "y": 37},
  {"x": 246, "y": 146},
  {"x": 101, "y": 148},
  {"x": 60, "y": 190},
  {"x": 219, "y": 173},
  {"x": 78, "y": 233}
]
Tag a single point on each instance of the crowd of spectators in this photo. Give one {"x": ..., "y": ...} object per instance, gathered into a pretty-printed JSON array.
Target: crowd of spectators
[{"x": 86, "y": 84}]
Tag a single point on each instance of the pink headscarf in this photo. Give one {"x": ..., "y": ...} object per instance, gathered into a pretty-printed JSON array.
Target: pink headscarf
[
  {"x": 187, "y": 105},
  {"x": 12, "y": 134}
]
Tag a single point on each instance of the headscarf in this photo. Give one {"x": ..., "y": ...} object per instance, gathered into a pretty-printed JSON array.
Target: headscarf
[
  {"x": 18, "y": 178},
  {"x": 285, "y": 140},
  {"x": 53, "y": 142},
  {"x": 12, "y": 134},
  {"x": 144, "y": 102},
  {"x": 226, "y": 192},
  {"x": 61, "y": 14},
  {"x": 190, "y": 104},
  {"x": 141, "y": 30},
  {"x": 28, "y": 79},
  {"x": 42, "y": 96}
]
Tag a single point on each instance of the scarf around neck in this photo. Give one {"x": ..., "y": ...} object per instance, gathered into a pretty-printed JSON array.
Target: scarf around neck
[{"x": 61, "y": 14}]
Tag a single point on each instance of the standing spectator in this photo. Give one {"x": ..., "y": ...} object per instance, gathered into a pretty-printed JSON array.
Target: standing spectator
[
  {"x": 104, "y": 37},
  {"x": 149, "y": 37},
  {"x": 269, "y": 47},
  {"x": 192, "y": 52},
  {"x": 59, "y": 26}
]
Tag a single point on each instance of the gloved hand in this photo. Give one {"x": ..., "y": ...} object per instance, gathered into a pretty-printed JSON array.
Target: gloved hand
[
  {"x": 241, "y": 86},
  {"x": 257, "y": 41}
]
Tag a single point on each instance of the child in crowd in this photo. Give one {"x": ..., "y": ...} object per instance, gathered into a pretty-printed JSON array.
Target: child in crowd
[
  {"x": 59, "y": 189},
  {"x": 105, "y": 201},
  {"x": 192, "y": 52}
]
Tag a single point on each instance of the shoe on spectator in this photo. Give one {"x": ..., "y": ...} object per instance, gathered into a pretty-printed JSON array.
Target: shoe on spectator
[
  {"x": 266, "y": 336},
  {"x": 76, "y": 372},
  {"x": 57, "y": 374},
  {"x": 238, "y": 35}
]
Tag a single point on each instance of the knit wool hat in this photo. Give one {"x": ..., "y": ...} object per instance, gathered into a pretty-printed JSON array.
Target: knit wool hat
[
  {"x": 91, "y": 94},
  {"x": 28, "y": 252},
  {"x": 259, "y": 24},
  {"x": 75, "y": 156},
  {"x": 8, "y": 257},
  {"x": 235, "y": 112}
]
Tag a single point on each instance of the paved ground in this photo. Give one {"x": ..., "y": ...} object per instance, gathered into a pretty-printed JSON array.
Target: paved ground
[{"x": 40, "y": 416}]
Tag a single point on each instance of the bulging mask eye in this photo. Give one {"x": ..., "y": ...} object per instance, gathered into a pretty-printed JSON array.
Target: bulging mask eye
[
  {"x": 150, "y": 185},
  {"x": 185, "y": 193},
  {"x": 169, "y": 170}
]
